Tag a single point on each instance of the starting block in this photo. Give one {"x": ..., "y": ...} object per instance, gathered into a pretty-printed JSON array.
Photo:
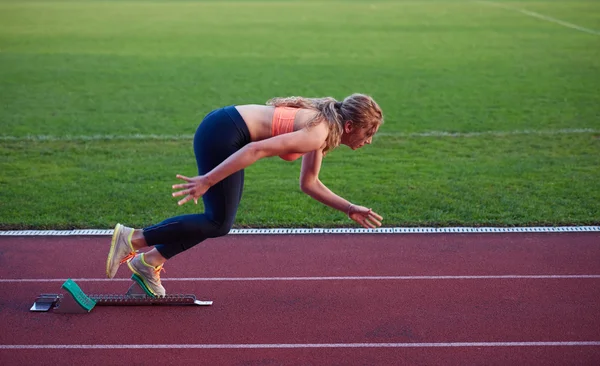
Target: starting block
[{"x": 75, "y": 301}]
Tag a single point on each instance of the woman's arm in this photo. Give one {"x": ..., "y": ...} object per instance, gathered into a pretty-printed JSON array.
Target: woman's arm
[
  {"x": 311, "y": 185},
  {"x": 301, "y": 141}
]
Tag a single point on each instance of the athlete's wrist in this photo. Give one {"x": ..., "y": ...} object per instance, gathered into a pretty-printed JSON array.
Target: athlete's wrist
[
  {"x": 348, "y": 209},
  {"x": 207, "y": 180}
]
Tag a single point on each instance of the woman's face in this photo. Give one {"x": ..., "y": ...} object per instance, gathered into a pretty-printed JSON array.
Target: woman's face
[{"x": 355, "y": 138}]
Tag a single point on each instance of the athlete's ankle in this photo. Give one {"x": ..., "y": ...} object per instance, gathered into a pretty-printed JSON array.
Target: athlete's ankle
[
  {"x": 154, "y": 258},
  {"x": 138, "y": 241}
]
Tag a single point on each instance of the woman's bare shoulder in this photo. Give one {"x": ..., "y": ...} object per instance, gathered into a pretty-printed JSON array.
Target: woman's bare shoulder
[{"x": 308, "y": 117}]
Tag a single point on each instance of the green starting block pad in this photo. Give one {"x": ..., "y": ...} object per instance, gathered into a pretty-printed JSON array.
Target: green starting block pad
[
  {"x": 75, "y": 301},
  {"x": 81, "y": 299}
]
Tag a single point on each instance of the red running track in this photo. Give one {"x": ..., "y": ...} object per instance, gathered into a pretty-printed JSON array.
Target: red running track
[{"x": 296, "y": 300}]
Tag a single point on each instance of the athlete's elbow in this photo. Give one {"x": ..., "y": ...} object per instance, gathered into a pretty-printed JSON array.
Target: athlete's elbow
[
  {"x": 307, "y": 186},
  {"x": 255, "y": 151}
]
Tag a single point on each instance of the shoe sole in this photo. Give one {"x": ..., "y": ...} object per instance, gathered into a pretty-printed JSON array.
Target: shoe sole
[
  {"x": 140, "y": 277},
  {"x": 140, "y": 281},
  {"x": 111, "y": 252}
]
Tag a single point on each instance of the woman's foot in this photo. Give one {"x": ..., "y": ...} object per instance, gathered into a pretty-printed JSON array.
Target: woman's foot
[
  {"x": 121, "y": 249},
  {"x": 148, "y": 273}
]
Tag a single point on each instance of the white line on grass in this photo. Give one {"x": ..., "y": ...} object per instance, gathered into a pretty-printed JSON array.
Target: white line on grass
[
  {"x": 540, "y": 16},
  {"x": 321, "y": 231},
  {"x": 300, "y": 345},
  {"x": 331, "y": 278},
  {"x": 154, "y": 137},
  {"x": 566, "y": 131}
]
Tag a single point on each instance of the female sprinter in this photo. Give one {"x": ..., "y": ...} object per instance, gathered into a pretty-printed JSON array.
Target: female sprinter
[{"x": 227, "y": 141}]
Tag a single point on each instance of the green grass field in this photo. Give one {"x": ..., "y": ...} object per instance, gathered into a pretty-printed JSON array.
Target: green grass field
[{"x": 99, "y": 100}]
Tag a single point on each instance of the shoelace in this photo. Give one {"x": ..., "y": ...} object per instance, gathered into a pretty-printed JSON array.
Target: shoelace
[
  {"x": 127, "y": 257},
  {"x": 157, "y": 271}
]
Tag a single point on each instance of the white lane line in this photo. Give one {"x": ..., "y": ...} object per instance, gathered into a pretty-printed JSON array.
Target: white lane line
[
  {"x": 303, "y": 231},
  {"x": 565, "y": 131},
  {"x": 300, "y": 345},
  {"x": 329, "y": 278},
  {"x": 155, "y": 137},
  {"x": 540, "y": 16}
]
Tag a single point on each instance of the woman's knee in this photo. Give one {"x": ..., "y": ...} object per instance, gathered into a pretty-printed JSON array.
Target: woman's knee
[
  {"x": 220, "y": 228},
  {"x": 203, "y": 226}
]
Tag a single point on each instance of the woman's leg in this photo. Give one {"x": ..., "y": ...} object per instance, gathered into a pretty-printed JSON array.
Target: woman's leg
[
  {"x": 181, "y": 233},
  {"x": 220, "y": 135}
]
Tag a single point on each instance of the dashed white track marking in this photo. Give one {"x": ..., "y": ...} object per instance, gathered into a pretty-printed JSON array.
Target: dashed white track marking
[{"x": 302, "y": 231}]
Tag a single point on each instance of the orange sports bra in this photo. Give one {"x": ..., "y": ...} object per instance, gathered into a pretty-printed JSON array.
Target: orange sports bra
[{"x": 283, "y": 122}]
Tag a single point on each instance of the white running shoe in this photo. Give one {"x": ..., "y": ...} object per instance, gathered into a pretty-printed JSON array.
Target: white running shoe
[
  {"x": 121, "y": 249},
  {"x": 150, "y": 275}
]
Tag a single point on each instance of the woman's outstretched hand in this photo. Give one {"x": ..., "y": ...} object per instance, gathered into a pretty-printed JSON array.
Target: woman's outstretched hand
[
  {"x": 364, "y": 216},
  {"x": 193, "y": 189}
]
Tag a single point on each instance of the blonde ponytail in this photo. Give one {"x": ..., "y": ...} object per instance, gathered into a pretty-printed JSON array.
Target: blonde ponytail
[{"x": 361, "y": 110}]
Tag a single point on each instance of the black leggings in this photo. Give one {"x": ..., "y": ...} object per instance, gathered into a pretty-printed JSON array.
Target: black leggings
[{"x": 221, "y": 133}]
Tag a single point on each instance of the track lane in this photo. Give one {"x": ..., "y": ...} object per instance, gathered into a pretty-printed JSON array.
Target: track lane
[
  {"x": 314, "y": 255},
  {"x": 331, "y": 312}
]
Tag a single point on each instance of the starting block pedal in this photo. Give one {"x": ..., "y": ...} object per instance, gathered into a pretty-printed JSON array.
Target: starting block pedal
[{"x": 75, "y": 301}]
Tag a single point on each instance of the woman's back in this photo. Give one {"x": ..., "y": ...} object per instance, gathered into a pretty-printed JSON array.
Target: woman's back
[{"x": 261, "y": 124}]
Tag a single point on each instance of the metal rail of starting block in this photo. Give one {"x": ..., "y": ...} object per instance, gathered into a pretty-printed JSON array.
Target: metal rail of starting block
[{"x": 75, "y": 301}]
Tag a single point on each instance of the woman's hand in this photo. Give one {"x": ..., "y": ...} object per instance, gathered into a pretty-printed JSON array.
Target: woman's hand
[
  {"x": 364, "y": 216},
  {"x": 194, "y": 188}
]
